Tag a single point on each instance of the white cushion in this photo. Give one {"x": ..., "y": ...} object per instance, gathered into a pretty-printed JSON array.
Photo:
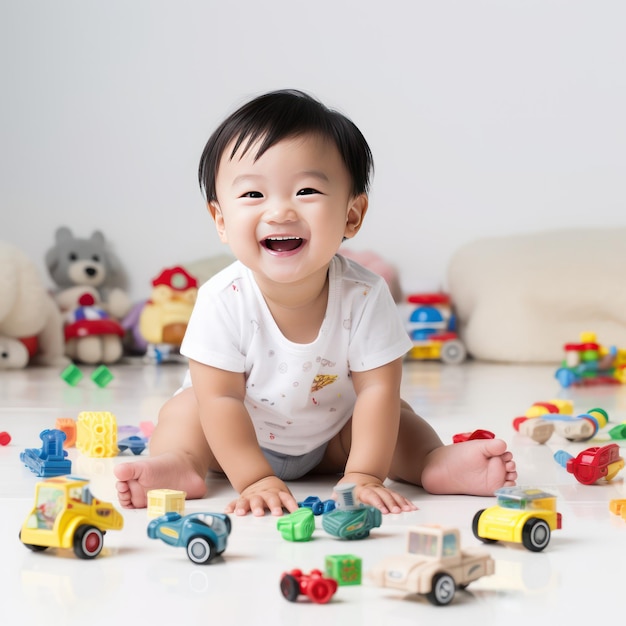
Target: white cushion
[{"x": 521, "y": 298}]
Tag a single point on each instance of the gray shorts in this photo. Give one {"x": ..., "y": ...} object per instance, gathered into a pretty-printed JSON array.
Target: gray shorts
[{"x": 288, "y": 467}]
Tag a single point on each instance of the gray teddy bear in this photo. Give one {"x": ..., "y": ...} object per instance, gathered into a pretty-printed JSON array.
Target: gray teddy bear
[{"x": 86, "y": 274}]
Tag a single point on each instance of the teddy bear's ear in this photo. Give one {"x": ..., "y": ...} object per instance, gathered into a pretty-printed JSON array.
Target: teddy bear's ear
[
  {"x": 63, "y": 233},
  {"x": 97, "y": 237}
]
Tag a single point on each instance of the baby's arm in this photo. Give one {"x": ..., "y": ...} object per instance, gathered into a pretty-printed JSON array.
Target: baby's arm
[
  {"x": 232, "y": 439},
  {"x": 375, "y": 424}
]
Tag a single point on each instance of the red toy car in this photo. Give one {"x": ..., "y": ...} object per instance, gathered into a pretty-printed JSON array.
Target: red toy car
[
  {"x": 479, "y": 433},
  {"x": 314, "y": 585},
  {"x": 592, "y": 464}
]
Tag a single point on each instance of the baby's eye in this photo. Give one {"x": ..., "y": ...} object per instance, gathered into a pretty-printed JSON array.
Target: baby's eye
[
  {"x": 307, "y": 191},
  {"x": 252, "y": 194}
]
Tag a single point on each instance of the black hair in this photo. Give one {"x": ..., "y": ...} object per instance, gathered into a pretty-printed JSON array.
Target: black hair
[{"x": 278, "y": 115}]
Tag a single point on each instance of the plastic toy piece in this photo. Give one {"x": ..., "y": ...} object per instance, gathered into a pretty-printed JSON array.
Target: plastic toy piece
[
  {"x": 521, "y": 515},
  {"x": 72, "y": 375},
  {"x": 346, "y": 569},
  {"x": 618, "y": 432},
  {"x": 67, "y": 515},
  {"x": 297, "y": 526},
  {"x": 350, "y": 520},
  {"x": 476, "y": 434},
  {"x": 68, "y": 426},
  {"x": 618, "y": 507},
  {"x": 581, "y": 427},
  {"x": 162, "y": 501},
  {"x": 146, "y": 428},
  {"x": 545, "y": 418},
  {"x": 5, "y": 438},
  {"x": 51, "y": 459},
  {"x": 589, "y": 363},
  {"x": 164, "y": 317},
  {"x": 96, "y": 434},
  {"x": 203, "y": 535},
  {"x": 434, "y": 565},
  {"x": 102, "y": 376},
  {"x": 431, "y": 327},
  {"x": 317, "y": 505},
  {"x": 134, "y": 443},
  {"x": 313, "y": 585},
  {"x": 593, "y": 464}
]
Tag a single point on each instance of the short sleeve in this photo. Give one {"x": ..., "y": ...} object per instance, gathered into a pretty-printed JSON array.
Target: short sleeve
[
  {"x": 378, "y": 335},
  {"x": 213, "y": 334}
]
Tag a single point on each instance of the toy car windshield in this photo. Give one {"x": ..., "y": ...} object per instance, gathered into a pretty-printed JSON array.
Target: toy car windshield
[{"x": 525, "y": 499}]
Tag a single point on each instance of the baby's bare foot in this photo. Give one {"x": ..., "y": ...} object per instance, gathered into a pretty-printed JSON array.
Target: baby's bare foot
[
  {"x": 166, "y": 471},
  {"x": 477, "y": 467}
]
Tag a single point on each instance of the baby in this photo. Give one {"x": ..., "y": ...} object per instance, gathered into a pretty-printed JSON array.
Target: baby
[{"x": 295, "y": 353}]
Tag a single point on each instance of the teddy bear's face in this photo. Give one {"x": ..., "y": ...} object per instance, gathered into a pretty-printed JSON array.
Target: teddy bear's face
[
  {"x": 90, "y": 272},
  {"x": 74, "y": 261}
]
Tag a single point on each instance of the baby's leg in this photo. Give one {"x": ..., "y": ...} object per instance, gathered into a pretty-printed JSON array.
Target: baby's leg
[
  {"x": 477, "y": 467},
  {"x": 179, "y": 456}
]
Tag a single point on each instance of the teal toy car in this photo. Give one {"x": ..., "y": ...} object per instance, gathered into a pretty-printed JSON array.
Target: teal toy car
[
  {"x": 204, "y": 535},
  {"x": 350, "y": 520}
]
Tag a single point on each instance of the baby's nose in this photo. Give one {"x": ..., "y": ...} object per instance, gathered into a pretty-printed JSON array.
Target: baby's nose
[{"x": 281, "y": 212}]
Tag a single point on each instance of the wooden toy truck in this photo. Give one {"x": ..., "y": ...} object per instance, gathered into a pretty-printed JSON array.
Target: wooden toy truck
[{"x": 434, "y": 565}]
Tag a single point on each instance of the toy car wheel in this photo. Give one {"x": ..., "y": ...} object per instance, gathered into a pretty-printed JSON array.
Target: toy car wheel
[
  {"x": 535, "y": 534},
  {"x": 453, "y": 352},
  {"x": 88, "y": 542},
  {"x": 289, "y": 587},
  {"x": 320, "y": 591},
  {"x": 442, "y": 590},
  {"x": 201, "y": 550},
  {"x": 475, "y": 528}
]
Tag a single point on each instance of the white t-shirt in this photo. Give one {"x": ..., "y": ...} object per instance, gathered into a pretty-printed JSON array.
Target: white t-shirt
[{"x": 298, "y": 395}]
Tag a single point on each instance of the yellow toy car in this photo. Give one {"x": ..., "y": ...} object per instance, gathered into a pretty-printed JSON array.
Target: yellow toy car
[
  {"x": 66, "y": 515},
  {"x": 521, "y": 515}
]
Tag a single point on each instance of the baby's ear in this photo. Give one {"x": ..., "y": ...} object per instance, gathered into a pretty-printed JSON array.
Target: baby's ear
[
  {"x": 218, "y": 218},
  {"x": 356, "y": 212}
]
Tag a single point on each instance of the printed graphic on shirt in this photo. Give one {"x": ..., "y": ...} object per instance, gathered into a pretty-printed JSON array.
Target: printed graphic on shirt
[{"x": 323, "y": 380}]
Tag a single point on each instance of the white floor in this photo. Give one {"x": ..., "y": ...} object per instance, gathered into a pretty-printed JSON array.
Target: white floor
[{"x": 581, "y": 573}]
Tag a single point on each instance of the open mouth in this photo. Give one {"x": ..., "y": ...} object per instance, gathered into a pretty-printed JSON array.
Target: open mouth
[{"x": 282, "y": 244}]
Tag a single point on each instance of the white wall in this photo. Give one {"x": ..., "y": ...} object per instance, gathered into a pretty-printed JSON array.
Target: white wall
[{"x": 485, "y": 117}]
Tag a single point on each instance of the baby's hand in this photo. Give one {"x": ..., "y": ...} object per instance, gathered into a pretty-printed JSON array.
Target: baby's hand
[
  {"x": 269, "y": 493},
  {"x": 372, "y": 492}
]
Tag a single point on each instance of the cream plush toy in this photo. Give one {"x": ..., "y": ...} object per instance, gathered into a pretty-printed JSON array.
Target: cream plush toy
[
  {"x": 521, "y": 298},
  {"x": 31, "y": 327}
]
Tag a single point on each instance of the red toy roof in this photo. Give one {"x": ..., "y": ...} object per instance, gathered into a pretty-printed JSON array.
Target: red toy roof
[{"x": 176, "y": 278}]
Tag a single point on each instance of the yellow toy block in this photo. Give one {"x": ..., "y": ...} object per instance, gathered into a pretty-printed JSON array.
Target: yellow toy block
[
  {"x": 162, "y": 501},
  {"x": 96, "y": 434}
]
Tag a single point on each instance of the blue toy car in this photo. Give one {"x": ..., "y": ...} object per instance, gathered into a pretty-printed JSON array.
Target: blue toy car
[
  {"x": 317, "y": 505},
  {"x": 204, "y": 535}
]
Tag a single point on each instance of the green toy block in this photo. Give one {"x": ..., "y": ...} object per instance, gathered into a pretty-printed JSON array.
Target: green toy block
[
  {"x": 102, "y": 376},
  {"x": 346, "y": 569},
  {"x": 72, "y": 375}
]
